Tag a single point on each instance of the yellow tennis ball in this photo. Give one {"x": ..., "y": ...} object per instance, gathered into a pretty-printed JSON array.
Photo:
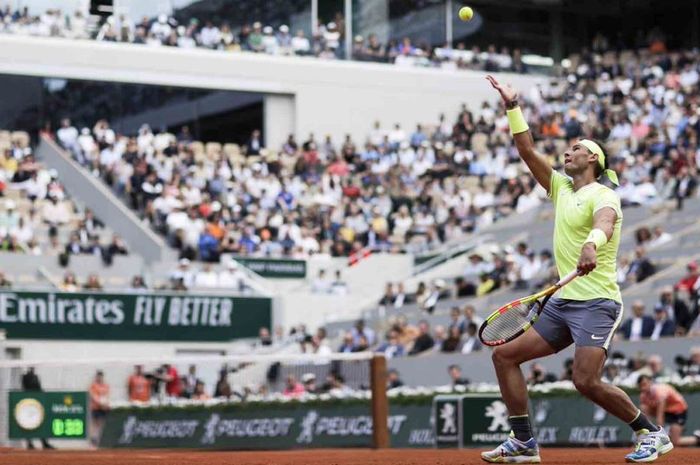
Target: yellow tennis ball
[{"x": 465, "y": 13}]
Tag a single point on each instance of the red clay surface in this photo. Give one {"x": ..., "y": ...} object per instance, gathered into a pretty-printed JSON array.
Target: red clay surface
[{"x": 684, "y": 456}]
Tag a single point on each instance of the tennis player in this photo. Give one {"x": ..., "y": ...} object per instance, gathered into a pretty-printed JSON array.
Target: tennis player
[{"x": 587, "y": 224}]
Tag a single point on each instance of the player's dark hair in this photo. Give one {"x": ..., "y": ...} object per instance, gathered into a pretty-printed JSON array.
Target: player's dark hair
[{"x": 598, "y": 169}]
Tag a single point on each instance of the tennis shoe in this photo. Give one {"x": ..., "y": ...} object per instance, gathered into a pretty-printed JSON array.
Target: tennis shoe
[
  {"x": 650, "y": 446},
  {"x": 513, "y": 450}
]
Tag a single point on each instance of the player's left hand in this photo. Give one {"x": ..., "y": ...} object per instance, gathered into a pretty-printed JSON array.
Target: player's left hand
[{"x": 587, "y": 261}]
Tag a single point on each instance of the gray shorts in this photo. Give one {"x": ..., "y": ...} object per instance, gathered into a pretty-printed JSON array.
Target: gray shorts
[{"x": 586, "y": 323}]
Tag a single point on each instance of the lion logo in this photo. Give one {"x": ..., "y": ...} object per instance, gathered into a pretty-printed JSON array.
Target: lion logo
[
  {"x": 307, "y": 428},
  {"x": 449, "y": 418},
  {"x": 498, "y": 412}
]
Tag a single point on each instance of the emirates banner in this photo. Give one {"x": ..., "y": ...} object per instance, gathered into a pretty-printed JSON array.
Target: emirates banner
[{"x": 132, "y": 317}]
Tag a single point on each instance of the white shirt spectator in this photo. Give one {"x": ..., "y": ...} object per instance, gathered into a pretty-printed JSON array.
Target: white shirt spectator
[
  {"x": 68, "y": 136},
  {"x": 55, "y": 213},
  {"x": 300, "y": 44},
  {"x": 161, "y": 29},
  {"x": 210, "y": 36},
  {"x": 231, "y": 278},
  {"x": 206, "y": 278}
]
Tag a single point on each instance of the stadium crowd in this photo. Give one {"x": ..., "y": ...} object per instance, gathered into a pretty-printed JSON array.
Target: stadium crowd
[
  {"x": 328, "y": 42},
  {"x": 405, "y": 189},
  {"x": 36, "y": 215}
]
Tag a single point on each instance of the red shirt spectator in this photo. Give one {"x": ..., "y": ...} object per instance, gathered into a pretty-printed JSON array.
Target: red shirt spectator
[
  {"x": 689, "y": 283},
  {"x": 293, "y": 388},
  {"x": 173, "y": 385},
  {"x": 339, "y": 167}
]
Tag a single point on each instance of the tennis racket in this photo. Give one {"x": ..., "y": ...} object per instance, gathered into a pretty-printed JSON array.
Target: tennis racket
[{"x": 516, "y": 317}]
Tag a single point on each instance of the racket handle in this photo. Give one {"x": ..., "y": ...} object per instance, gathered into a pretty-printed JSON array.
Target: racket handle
[{"x": 567, "y": 279}]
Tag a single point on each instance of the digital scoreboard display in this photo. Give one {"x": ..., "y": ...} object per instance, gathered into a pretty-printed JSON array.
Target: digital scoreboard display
[{"x": 50, "y": 415}]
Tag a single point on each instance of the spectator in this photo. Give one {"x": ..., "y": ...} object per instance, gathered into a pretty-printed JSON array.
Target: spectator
[
  {"x": 231, "y": 277},
  {"x": 138, "y": 285},
  {"x": 453, "y": 341},
  {"x": 321, "y": 285},
  {"x": 4, "y": 282},
  {"x": 199, "y": 393},
  {"x": 293, "y": 388},
  {"x": 360, "y": 330},
  {"x": 206, "y": 278},
  {"x": 663, "y": 326},
  {"x": 689, "y": 282},
  {"x": 676, "y": 309},
  {"x": 339, "y": 287},
  {"x": 348, "y": 344},
  {"x": 223, "y": 388},
  {"x": 456, "y": 320},
  {"x": 309, "y": 381},
  {"x": 393, "y": 379},
  {"x": 470, "y": 316},
  {"x": 539, "y": 375},
  {"x": 92, "y": 283},
  {"x": 471, "y": 343},
  {"x": 183, "y": 273},
  {"x": 265, "y": 339},
  {"x": 639, "y": 326},
  {"x": 424, "y": 341},
  {"x": 391, "y": 347},
  {"x": 139, "y": 387},
  {"x": 641, "y": 267},
  {"x": 69, "y": 283},
  {"x": 173, "y": 384},
  {"x": 659, "y": 238},
  {"x": 31, "y": 383},
  {"x": 456, "y": 378},
  {"x": 189, "y": 381},
  {"x": 99, "y": 406}
]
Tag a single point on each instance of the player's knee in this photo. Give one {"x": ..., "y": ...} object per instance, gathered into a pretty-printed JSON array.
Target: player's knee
[
  {"x": 501, "y": 356},
  {"x": 585, "y": 384}
]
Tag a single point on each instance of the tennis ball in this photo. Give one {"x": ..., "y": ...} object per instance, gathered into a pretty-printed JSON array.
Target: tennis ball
[{"x": 465, "y": 13}]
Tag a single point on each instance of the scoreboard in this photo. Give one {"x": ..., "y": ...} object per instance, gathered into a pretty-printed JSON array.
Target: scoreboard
[{"x": 50, "y": 415}]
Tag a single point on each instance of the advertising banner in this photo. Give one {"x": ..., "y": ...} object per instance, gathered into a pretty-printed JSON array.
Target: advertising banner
[
  {"x": 274, "y": 267},
  {"x": 283, "y": 427},
  {"x": 131, "y": 317}
]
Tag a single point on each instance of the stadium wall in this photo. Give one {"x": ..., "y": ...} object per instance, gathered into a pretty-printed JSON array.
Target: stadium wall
[{"x": 302, "y": 95}]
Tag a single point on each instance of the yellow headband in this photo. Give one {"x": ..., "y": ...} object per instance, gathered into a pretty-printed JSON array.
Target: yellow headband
[{"x": 595, "y": 148}]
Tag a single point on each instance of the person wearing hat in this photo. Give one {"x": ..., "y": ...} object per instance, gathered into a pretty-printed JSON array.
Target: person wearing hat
[
  {"x": 587, "y": 311},
  {"x": 309, "y": 382},
  {"x": 255, "y": 38},
  {"x": 284, "y": 39}
]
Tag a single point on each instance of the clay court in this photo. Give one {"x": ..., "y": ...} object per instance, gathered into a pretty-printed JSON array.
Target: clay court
[{"x": 679, "y": 456}]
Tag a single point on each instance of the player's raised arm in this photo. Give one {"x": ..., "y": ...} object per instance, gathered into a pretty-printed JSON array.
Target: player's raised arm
[{"x": 537, "y": 163}]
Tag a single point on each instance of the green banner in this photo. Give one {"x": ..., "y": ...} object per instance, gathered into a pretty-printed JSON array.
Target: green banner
[
  {"x": 61, "y": 415},
  {"x": 273, "y": 267},
  {"x": 132, "y": 317},
  {"x": 567, "y": 419},
  {"x": 264, "y": 427}
]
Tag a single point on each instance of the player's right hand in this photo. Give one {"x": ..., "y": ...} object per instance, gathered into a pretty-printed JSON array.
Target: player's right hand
[
  {"x": 587, "y": 259},
  {"x": 508, "y": 94}
]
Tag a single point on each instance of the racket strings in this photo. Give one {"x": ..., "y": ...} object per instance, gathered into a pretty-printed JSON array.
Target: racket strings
[{"x": 509, "y": 323}]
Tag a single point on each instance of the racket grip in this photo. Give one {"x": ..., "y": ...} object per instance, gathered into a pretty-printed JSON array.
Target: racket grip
[{"x": 568, "y": 278}]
